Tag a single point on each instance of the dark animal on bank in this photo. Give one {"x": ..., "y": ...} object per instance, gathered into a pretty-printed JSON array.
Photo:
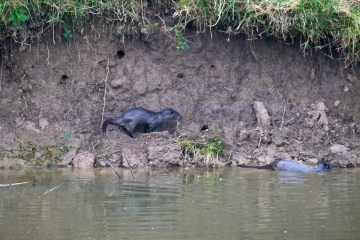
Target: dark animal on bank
[
  {"x": 141, "y": 117},
  {"x": 285, "y": 165}
]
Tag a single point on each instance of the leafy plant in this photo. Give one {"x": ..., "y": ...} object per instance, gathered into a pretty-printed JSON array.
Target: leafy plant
[
  {"x": 3, "y": 6},
  {"x": 181, "y": 42},
  {"x": 67, "y": 32},
  {"x": 97, "y": 164},
  {"x": 65, "y": 148},
  {"x": 17, "y": 17},
  {"x": 120, "y": 29},
  {"x": 214, "y": 148},
  {"x": 66, "y": 134},
  {"x": 62, "y": 146}
]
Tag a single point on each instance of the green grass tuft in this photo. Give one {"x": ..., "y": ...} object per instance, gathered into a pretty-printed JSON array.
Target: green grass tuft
[
  {"x": 331, "y": 24},
  {"x": 209, "y": 150},
  {"x": 323, "y": 24}
]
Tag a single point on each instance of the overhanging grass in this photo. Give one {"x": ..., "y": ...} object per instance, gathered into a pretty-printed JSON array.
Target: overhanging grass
[
  {"x": 12, "y": 12},
  {"x": 324, "y": 24}
]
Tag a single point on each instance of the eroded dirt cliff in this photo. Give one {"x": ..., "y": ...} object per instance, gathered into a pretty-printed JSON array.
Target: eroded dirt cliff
[{"x": 263, "y": 98}]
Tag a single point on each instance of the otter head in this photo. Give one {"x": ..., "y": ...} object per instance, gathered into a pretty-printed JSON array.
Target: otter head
[
  {"x": 323, "y": 165},
  {"x": 169, "y": 113}
]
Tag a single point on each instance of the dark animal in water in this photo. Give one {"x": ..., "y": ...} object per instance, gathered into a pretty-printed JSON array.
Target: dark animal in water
[
  {"x": 285, "y": 165},
  {"x": 141, "y": 117}
]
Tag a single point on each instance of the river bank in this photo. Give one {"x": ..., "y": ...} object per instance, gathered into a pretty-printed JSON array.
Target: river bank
[{"x": 254, "y": 100}]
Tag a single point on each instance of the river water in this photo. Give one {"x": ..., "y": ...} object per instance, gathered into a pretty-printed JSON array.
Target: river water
[{"x": 228, "y": 203}]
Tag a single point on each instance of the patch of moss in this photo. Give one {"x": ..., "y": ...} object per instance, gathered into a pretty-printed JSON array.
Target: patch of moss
[
  {"x": 36, "y": 155},
  {"x": 48, "y": 153},
  {"x": 27, "y": 155},
  {"x": 352, "y": 146}
]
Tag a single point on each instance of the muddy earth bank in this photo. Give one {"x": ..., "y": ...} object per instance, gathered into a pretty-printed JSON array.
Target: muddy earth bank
[{"x": 264, "y": 99}]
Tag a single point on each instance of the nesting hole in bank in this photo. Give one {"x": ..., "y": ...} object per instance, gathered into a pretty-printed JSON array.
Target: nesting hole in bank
[{"x": 120, "y": 54}]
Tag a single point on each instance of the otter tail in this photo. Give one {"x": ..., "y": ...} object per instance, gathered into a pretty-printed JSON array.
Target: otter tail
[
  {"x": 257, "y": 167},
  {"x": 107, "y": 122}
]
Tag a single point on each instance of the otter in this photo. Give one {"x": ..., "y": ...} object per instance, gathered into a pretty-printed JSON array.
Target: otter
[
  {"x": 141, "y": 117},
  {"x": 285, "y": 165}
]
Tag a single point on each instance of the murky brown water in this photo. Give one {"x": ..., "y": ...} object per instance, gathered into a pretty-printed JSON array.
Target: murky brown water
[{"x": 230, "y": 203}]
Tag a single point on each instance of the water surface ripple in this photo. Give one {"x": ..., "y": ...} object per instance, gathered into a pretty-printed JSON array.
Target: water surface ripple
[{"x": 229, "y": 203}]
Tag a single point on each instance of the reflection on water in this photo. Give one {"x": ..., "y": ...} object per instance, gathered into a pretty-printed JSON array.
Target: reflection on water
[{"x": 229, "y": 203}]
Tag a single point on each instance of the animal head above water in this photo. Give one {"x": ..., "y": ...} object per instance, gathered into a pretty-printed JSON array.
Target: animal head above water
[{"x": 323, "y": 166}]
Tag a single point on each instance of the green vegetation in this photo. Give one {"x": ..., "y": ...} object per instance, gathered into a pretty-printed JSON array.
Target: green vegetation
[
  {"x": 66, "y": 135},
  {"x": 27, "y": 154},
  {"x": 64, "y": 148},
  {"x": 62, "y": 145},
  {"x": 181, "y": 42},
  {"x": 209, "y": 150},
  {"x": 67, "y": 32},
  {"x": 325, "y": 25},
  {"x": 36, "y": 154},
  {"x": 17, "y": 17}
]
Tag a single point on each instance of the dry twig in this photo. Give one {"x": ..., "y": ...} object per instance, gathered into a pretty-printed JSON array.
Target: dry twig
[
  {"x": 13, "y": 184},
  {"x": 128, "y": 165},
  {"x": 124, "y": 155},
  {"x": 282, "y": 119},
  {"x": 114, "y": 169},
  {"x": 50, "y": 190},
  {"x": 105, "y": 80}
]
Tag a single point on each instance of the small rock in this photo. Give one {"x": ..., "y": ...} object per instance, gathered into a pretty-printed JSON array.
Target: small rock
[
  {"x": 120, "y": 83},
  {"x": 241, "y": 125},
  {"x": 337, "y": 103},
  {"x": 72, "y": 145},
  {"x": 295, "y": 154},
  {"x": 346, "y": 89},
  {"x": 167, "y": 155},
  {"x": 43, "y": 123},
  {"x": 266, "y": 159},
  {"x": 84, "y": 160},
  {"x": 280, "y": 143},
  {"x": 312, "y": 74},
  {"x": 19, "y": 121},
  {"x": 338, "y": 148},
  {"x": 144, "y": 30},
  {"x": 30, "y": 126},
  {"x": 351, "y": 78},
  {"x": 243, "y": 135},
  {"x": 312, "y": 160},
  {"x": 262, "y": 115}
]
